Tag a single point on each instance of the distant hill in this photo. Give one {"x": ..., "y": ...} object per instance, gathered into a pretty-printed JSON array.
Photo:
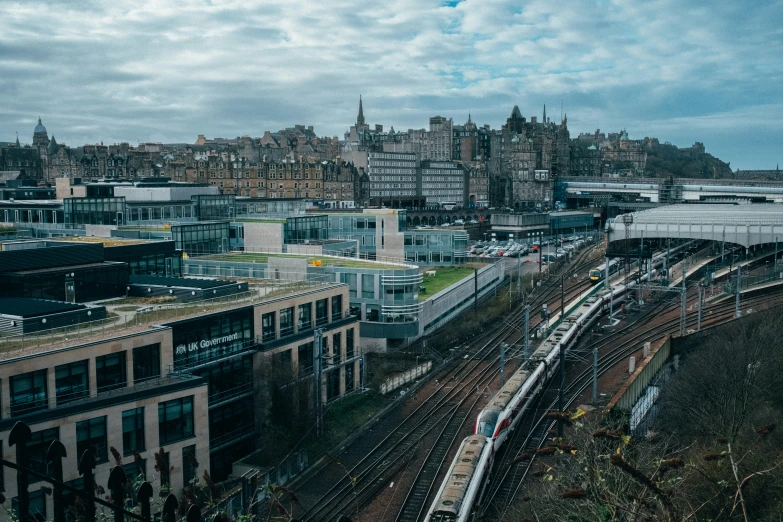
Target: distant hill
[{"x": 665, "y": 159}]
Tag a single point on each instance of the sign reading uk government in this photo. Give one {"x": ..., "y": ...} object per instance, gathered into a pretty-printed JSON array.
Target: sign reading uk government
[{"x": 205, "y": 343}]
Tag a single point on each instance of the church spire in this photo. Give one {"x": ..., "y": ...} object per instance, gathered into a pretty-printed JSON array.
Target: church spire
[
  {"x": 17, "y": 140},
  {"x": 360, "y": 117},
  {"x": 544, "y": 120}
]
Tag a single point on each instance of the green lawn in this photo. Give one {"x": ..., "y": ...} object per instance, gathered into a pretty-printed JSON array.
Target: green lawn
[
  {"x": 445, "y": 276},
  {"x": 248, "y": 257}
]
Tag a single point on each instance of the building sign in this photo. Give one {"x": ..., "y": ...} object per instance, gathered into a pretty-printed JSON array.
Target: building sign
[{"x": 205, "y": 343}]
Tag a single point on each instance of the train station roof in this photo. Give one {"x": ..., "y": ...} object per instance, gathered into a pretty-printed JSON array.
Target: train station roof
[{"x": 746, "y": 225}]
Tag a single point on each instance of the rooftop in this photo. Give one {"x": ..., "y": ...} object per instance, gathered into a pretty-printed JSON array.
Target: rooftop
[
  {"x": 146, "y": 319},
  {"x": 709, "y": 214},
  {"x": 444, "y": 277},
  {"x": 107, "y": 241},
  {"x": 26, "y": 307},
  {"x": 347, "y": 262},
  {"x": 178, "y": 282}
]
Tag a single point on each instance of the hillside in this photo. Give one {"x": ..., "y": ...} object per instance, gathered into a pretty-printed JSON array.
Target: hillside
[{"x": 664, "y": 160}]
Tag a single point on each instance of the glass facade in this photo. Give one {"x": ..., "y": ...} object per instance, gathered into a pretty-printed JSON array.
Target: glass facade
[
  {"x": 227, "y": 379},
  {"x": 94, "y": 211},
  {"x": 212, "y": 337},
  {"x": 209, "y": 208},
  {"x": 201, "y": 238},
  {"x": 165, "y": 265},
  {"x": 300, "y": 229},
  {"x": 90, "y": 284}
]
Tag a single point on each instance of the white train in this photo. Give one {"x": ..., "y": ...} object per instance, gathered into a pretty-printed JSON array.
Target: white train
[{"x": 465, "y": 481}]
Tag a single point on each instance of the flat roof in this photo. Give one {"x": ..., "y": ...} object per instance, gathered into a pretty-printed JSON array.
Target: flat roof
[
  {"x": 66, "y": 268},
  {"x": 27, "y": 307},
  {"x": 107, "y": 241},
  {"x": 178, "y": 282},
  {"x": 326, "y": 260}
]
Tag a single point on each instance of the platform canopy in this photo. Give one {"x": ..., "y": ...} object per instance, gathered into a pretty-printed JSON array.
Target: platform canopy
[{"x": 746, "y": 225}]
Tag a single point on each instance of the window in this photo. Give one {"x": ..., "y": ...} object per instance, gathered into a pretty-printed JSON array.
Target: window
[
  {"x": 268, "y": 327},
  {"x": 146, "y": 362},
  {"x": 36, "y": 505},
  {"x": 110, "y": 371},
  {"x": 336, "y": 347},
  {"x": 349, "y": 343},
  {"x": 175, "y": 420},
  {"x": 305, "y": 358},
  {"x": 36, "y": 450},
  {"x": 286, "y": 321},
  {"x": 71, "y": 382},
  {"x": 368, "y": 286},
  {"x": 305, "y": 316},
  {"x": 337, "y": 307},
  {"x": 133, "y": 431},
  {"x": 348, "y": 377},
  {"x": 189, "y": 464},
  {"x": 321, "y": 312},
  {"x": 28, "y": 392},
  {"x": 91, "y": 434},
  {"x": 136, "y": 472}
]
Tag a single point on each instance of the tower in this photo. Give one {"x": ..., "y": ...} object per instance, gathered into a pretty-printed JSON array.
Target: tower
[
  {"x": 544, "y": 120},
  {"x": 360, "y": 117},
  {"x": 40, "y": 137}
]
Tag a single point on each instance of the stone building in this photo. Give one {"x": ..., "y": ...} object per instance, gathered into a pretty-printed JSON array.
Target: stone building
[
  {"x": 440, "y": 139},
  {"x": 526, "y": 158}
]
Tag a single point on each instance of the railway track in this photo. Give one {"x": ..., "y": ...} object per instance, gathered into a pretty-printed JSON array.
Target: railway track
[
  {"x": 394, "y": 453},
  {"x": 510, "y": 475}
]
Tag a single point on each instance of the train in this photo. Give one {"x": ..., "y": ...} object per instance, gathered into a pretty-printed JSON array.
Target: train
[
  {"x": 598, "y": 273},
  {"x": 466, "y": 478}
]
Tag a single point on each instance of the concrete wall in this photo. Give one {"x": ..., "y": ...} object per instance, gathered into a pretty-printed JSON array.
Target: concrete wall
[
  {"x": 99, "y": 230},
  {"x": 443, "y": 306},
  {"x": 264, "y": 237},
  {"x": 164, "y": 193}
]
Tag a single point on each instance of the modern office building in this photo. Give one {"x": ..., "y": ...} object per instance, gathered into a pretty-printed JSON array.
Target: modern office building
[
  {"x": 112, "y": 396},
  {"x": 392, "y": 174},
  {"x": 443, "y": 182},
  {"x": 204, "y": 374}
]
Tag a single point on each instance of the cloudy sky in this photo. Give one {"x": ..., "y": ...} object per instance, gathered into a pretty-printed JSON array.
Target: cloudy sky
[{"x": 168, "y": 70}]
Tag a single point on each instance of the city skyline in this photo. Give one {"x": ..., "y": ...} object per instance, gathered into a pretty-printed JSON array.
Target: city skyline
[{"x": 170, "y": 71}]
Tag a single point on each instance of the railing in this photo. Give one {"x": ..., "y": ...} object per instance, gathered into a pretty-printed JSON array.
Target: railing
[
  {"x": 118, "y": 485},
  {"x": 231, "y": 393},
  {"x": 102, "y": 392},
  {"x": 70, "y": 334}
]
